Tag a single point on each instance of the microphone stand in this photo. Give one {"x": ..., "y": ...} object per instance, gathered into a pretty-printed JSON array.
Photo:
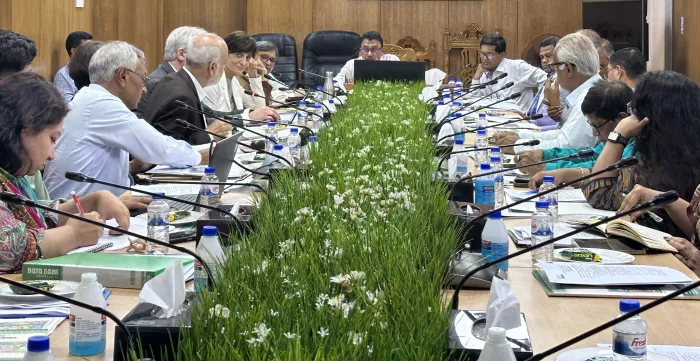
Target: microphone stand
[
  {"x": 186, "y": 106},
  {"x": 446, "y": 156},
  {"x": 536, "y": 116},
  {"x": 158, "y": 181},
  {"x": 278, "y": 123},
  {"x": 447, "y": 120},
  {"x": 268, "y": 77},
  {"x": 9, "y": 197},
  {"x": 623, "y": 163}
]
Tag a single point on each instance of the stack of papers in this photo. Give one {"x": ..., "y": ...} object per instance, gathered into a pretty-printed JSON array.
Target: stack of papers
[
  {"x": 574, "y": 273},
  {"x": 521, "y": 235},
  {"x": 565, "y": 195},
  {"x": 15, "y": 332},
  {"x": 191, "y": 172},
  {"x": 679, "y": 353},
  {"x": 39, "y": 309}
]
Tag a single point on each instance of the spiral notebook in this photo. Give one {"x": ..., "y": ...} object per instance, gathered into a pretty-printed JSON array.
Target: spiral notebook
[{"x": 100, "y": 246}]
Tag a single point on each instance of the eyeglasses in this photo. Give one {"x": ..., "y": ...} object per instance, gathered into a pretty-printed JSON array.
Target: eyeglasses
[
  {"x": 486, "y": 55},
  {"x": 631, "y": 109},
  {"x": 143, "y": 78},
  {"x": 267, "y": 59},
  {"x": 559, "y": 64},
  {"x": 597, "y": 127},
  {"x": 370, "y": 50},
  {"x": 604, "y": 70}
]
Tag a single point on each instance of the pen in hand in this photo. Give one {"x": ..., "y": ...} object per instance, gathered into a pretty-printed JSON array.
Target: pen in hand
[
  {"x": 77, "y": 203},
  {"x": 651, "y": 214}
]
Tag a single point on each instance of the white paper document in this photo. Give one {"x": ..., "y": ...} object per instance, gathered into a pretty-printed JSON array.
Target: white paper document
[
  {"x": 565, "y": 195},
  {"x": 679, "y": 353},
  {"x": 525, "y": 239},
  {"x": 169, "y": 189},
  {"x": 611, "y": 275},
  {"x": 193, "y": 172}
]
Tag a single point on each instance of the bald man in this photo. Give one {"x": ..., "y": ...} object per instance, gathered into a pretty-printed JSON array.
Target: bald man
[{"x": 206, "y": 58}]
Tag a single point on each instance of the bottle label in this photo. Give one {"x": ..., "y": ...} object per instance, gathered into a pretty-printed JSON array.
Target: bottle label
[
  {"x": 159, "y": 219},
  {"x": 201, "y": 279},
  {"x": 540, "y": 229},
  {"x": 209, "y": 190},
  {"x": 92, "y": 329},
  {"x": 632, "y": 345},
  {"x": 495, "y": 250}
]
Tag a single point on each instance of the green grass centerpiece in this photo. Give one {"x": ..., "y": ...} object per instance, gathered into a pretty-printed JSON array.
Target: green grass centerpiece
[{"x": 347, "y": 263}]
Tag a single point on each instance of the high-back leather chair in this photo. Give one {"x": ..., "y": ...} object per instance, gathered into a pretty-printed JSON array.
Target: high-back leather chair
[
  {"x": 327, "y": 51},
  {"x": 286, "y": 55}
]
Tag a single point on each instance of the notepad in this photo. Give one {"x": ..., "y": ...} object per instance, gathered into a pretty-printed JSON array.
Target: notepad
[
  {"x": 648, "y": 237},
  {"x": 100, "y": 246}
]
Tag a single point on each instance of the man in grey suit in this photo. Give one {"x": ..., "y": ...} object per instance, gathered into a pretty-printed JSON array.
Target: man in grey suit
[{"x": 174, "y": 60}]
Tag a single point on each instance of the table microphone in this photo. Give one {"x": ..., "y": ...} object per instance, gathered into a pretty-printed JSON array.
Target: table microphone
[
  {"x": 492, "y": 82},
  {"x": 322, "y": 77},
  {"x": 11, "y": 198},
  {"x": 290, "y": 106},
  {"x": 268, "y": 77},
  {"x": 528, "y": 143},
  {"x": 469, "y": 89},
  {"x": 613, "y": 322},
  {"x": 185, "y": 124},
  {"x": 149, "y": 181},
  {"x": 453, "y": 73},
  {"x": 534, "y": 116},
  {"x": 186, "y": 106},
  {"x": 82, "y": 178},
  {"x": 449, "y": 119},
  {"x": 278, "y": 123}
]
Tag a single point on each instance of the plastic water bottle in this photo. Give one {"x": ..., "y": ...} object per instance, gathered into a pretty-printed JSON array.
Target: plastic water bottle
[
  {"x": 494, "y": 240},
  {"x": 541, "y": 230},
  {"x": 316, "y": 122},
  {"x": 457, "y": 95},
  {"x": 294, "y": 143},
  {"x": 209, "y": 249},
  {"x": 461, "y": 159},
  {"x": 552, "y": 198},
  {"x": 498, "y": 189},
  {"x": 158, "y": 226},
  {"x": 301, "y": 113},
  {"x": 454, "y": 108},
  {"x": 319, "y": 93},
  {"x": 482, "y": 142},
  {"x": 271, "y": 132},
  {"x": 495, "y": 151},
  {"x": 451, "y": 83},
  {"x": 38, "y": 349},
  {"x": 630, "y": 336},
  {"x": 482, "y": 122},
  {"x": 497, "y": 347},
  {"x": 457, "y": 124},
  {"x": 87, "y": 329},
  {"x": 276, "y": 162},
  {"x": 311, "y": 147},
  {"x": 331, "y": 106},
  {"x": 484, "y": 187},
  {"x": 209, "y": 193},
  {"x": 459, "y": 85}
]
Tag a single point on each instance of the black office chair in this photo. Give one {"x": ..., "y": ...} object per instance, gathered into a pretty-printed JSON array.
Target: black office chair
[
  {"x": 286, "y": 55},
  {"x": 327, "y": 51}
]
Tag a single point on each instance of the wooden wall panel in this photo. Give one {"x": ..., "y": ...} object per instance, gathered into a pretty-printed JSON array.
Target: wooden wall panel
[
  {"x": 406, "y": 17},
  {"x": 218, "y": 16},
  {"x": 350, "y": 15},
  {"x": 537, "y": 17},
  {"x": 48, "y": 23},
  {"x": 6, "y": 14},
  {"x": 293, "y": 17},
  {"x": 686, "y": 46}
]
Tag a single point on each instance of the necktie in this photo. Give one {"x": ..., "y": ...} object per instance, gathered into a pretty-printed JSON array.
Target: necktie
[{"x": 535, "y": 103}]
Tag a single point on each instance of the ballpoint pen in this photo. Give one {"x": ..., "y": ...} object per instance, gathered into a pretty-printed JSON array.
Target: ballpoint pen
[
  {"x": 77, "y": 202},
  {"x": 651, "y": 214}
]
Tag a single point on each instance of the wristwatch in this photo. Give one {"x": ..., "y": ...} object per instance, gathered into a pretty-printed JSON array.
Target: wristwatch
[{"x": 616, "y": 138}]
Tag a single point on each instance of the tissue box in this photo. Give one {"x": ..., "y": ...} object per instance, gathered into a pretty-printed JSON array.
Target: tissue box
[
  {"x": 467, "y": 346},
  {"x": 158, "y": 336}
]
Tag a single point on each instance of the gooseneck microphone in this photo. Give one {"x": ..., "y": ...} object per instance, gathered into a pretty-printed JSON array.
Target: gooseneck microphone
[
  {"x": 469, "y": 90},
  {"x": 535, "y": 116},
  {"x": 82, "y": 178},
  {"x": 12, "y": 198},
  {"x": 71, "y": 301},
  {"x": 159, "y": 181},
  {"x": 269, "y": 77},
  {"x": 613, "y": 322},
  {"x": 278, "y": 123},
  {"x": 528, "y": 143},
  {"x": 188, "y": 107},
  {"x": 586, "y": 153},
  {"x": 290, "y": 106},
  {"x": 658, "y": 201},
  {"x": 449, "y": 119},
  {"x": 186, "y": 124}
]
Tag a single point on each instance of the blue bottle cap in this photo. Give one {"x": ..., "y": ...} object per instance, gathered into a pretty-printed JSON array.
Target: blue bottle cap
[
  {"x": 482, "y": 115},
  {"x": 317, "y": 106},
  {"x": 495, "y": 159},
  {"x": 628, "y": 305},
  {"x": 446, "y": 96},
  {"x": 441, "y": 103},
  {"x": 496, "y": 215},
  {"x": 209, "y": 170},
  {"x": 459, "y": 80},
  {"x": 313, "y": 138},
  {"x": 458, "y": 94},
  {"x": 209, "y": 231},
  {"x": 330, "y": 101},
  {"x": 159, "y": 195},
  {"x": 485, "y": 166},
  {"x": 481, "y": 132},
  {"x": 271, "y": 124},
  {"x": 458, "y": 104},
  {"x": 452, "y": 79},
  {"x": 495, "y": 149},
  {"x": 457, "y": 114},
  {"x": 295, "y": 130},
  {"x": 38, "y": 344},
  {"x": 446, "y": 86},
  {"x": 278, "y": 147},
  {"x": 302, "y": 102},
  {"x": 459, "y": 141},
  {"x": 319, "y": 87},
  {"x": 541, "y": 204},
  {"x": 548, "y": 179}
]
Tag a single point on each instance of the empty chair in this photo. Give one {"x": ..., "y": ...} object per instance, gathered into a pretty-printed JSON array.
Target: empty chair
[
  {"x": 286, "y": 55},
  {"x": 328, "y": 51}
]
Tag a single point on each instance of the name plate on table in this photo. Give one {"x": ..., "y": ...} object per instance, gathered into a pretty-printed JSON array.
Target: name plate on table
[{"x": 464, "y": 340}]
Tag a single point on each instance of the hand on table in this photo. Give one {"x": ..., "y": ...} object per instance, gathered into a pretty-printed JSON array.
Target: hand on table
[
  {"x": 528, "y": 157},
  {"x": 688, "y": 254},
  {"x": 506, "y": 137},
  {"x": 264, "y": 113},
  {"x": 135, "y": 203},
  {"x": 219, "y": 128},
  {"x": 638, "y": 195}
]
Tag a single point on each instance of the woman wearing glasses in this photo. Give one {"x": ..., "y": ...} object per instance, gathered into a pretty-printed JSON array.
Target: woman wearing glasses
[{"x": 664, "y": 123}]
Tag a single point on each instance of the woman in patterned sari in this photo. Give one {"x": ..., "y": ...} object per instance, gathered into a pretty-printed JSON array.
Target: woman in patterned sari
[
  {"x": 31, "y": 117},
  {"x": 665, "y": 125}
]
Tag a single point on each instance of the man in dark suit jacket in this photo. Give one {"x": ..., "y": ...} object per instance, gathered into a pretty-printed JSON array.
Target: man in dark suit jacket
[{"x": 204, "y": 66}]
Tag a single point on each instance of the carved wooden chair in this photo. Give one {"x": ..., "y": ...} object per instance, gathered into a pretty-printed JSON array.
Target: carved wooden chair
[
  {"x": 429, "y": 55},
  {"x": 467, "y": 42},
  {"x": 404, "y": 54}
]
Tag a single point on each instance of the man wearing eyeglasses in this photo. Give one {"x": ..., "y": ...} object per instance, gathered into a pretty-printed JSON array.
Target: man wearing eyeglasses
[
  {"x": 493, "y": 62},
  {"x": 371, "y": 48},
  {"x": 267, "y": 56},
  {"x": 627, "y": 65}
]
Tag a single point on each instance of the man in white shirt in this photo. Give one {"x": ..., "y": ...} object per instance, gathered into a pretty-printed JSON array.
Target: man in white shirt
[
  {"x": 493, "y": 63},
  {"x": 371, "y": 48},
  {"x": 266, "y": 55},
  {"x": 100, "y": 131},
  {"x": 576, "y": 65}
]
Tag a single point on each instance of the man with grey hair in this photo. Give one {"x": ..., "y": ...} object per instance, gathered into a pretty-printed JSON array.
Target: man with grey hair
[
  {"x": 576, "y": 65},
  {"x": 100, "y": 131},
  {"x": 174, "y": 59},
  {"x": 206, "y": 58},
  {"x": 605, "y": 50},
  {"x": 266, "y": 54}
]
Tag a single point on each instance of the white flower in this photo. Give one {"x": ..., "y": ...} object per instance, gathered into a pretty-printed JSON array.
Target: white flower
[
  {"x": 262, "y": 330},
  {"x": 321, "y": 300},
  {"x": 274, "y": 313},
  {"x": 357, "y": 275},
  {"x": 382, "y": 325},
  {"x": 223, "y": 330},
  {"x": 330, "y": 187},
  {"x": 338, "y": 199},
  {"x": 338, "y": 252},
  {"x": 291, "y": 335},
  {"x": 255, "y": 341},
  {"x": 356, "y": 338},
  {"x": 225, "y": 313},
  {"x": 304, "y": 186},
  {"x": 339, "y": 279},
  {"x": 370, "y": 349},
  {"x": 323, "y": 332}
]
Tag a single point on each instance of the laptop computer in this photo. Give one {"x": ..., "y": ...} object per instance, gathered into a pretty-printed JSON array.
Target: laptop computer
[{"x": 389, "y": 70}]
